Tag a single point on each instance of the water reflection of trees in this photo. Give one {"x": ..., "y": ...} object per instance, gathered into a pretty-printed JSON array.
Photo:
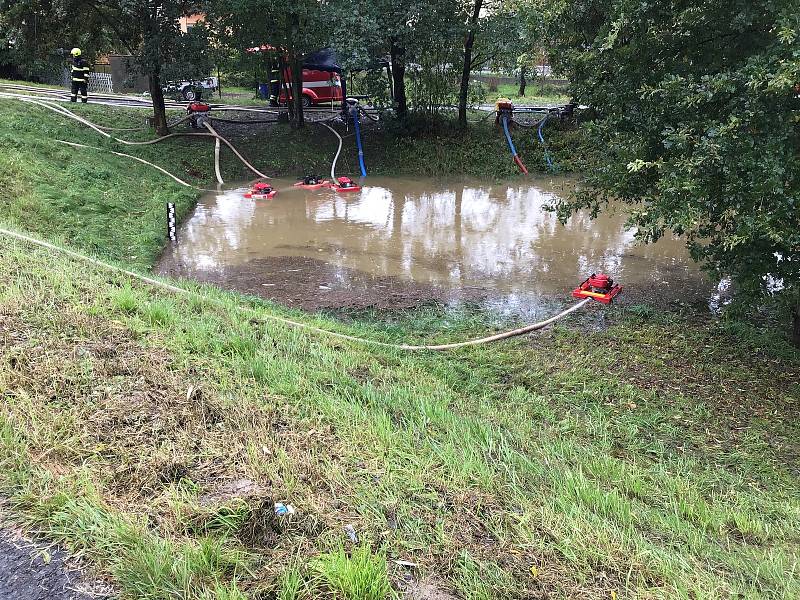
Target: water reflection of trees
[{"x": 461, "y": 234}]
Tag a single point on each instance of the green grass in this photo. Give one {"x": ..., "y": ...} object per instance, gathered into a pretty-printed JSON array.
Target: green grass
[
  {"x": 651, "y": 459},
  {"x": 242, "y": 96},
  {"x": 359, "y": 575},
  {"x": 153, "y": 433},
  {"x": 90, "y": 199},
  {"x": 534, "y": 94}
]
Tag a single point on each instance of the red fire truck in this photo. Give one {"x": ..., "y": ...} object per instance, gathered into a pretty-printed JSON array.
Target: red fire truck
[
  {"x": 322, "y": 81},
  {"x": 318, "y": 87}
]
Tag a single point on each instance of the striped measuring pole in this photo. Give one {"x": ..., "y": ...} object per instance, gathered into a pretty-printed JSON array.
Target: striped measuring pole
[{"x": 172, "y": 223}]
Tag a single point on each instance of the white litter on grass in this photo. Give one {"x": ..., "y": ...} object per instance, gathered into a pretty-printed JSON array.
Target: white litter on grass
[
  {"x": 406, "y": 563},
  {"x": 351, "y": 533}
]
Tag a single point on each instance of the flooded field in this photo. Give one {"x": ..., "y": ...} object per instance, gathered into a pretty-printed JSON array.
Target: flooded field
[{"x": 402, "y": 242}]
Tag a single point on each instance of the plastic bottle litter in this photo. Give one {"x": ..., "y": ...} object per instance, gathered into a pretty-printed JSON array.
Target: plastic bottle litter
[
  {"x": 281, "y": 509},
  {"x": 406, "y": 563},
  {"x": 351, "y": 533}
]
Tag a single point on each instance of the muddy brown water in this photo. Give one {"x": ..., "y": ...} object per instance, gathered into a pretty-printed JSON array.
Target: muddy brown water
[{"x": 401, "y": 242}]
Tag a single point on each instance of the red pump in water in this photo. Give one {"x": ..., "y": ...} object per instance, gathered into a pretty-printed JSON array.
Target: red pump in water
[
  {"x": 345, "y": 184},
  {"x": 600, "y": 287},
  {"x": 261, "y": 191},
  {"x": 311, "y": 182}
]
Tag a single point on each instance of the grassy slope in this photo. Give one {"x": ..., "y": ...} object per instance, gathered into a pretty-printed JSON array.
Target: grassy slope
[
  {"x": 654, "y": 458},
  {"x": 624, "y": 460},
  {"x": 92, "y": 200}
]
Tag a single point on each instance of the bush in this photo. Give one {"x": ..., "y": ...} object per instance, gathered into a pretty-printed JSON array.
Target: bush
[{"x": 477, "y": 92}]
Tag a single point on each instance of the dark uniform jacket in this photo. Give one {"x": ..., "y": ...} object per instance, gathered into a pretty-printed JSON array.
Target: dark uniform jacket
[{"x": 80, "y": 70}]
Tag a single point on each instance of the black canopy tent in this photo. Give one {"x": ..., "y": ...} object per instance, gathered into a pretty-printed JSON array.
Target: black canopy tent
[{"x": 327, "y": 59}]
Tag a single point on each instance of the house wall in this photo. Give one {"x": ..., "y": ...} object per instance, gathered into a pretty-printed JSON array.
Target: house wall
[{"x": 187, "y": 23}]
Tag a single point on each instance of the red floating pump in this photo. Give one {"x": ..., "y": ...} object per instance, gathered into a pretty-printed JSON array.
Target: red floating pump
[
  {"x": 311, "y": 182},
  {"x": 345, "y": 184},
  {"x": 261, "y": 191},
  {"x": 598, "y": 286}
]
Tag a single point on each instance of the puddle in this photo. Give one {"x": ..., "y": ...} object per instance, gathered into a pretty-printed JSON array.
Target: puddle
[{"x": 401, "y": 242}]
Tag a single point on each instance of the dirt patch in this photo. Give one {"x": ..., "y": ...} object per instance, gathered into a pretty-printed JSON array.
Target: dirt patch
[
  {"x": 140, "y": 422},
  {"x": 427, "y": 589},
  {"x": 312, "y": 285},
  {"x": 232, "y": 490},
  {"x": 159, "y": 439}
]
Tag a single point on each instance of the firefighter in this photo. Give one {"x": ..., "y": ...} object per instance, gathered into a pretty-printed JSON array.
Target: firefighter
[{"x": 80, "y": 76}]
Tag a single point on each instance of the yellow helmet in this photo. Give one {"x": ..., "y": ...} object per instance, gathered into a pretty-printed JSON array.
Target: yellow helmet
[{"x": 76, "y": 52}]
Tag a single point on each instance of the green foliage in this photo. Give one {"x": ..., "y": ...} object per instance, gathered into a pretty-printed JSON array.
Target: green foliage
[
  {"x": 36, "y": 36},
  {"x": 696, "y": 112},
  {"x": 292, "y": 30},
  {"x": 192, "y": 56}
]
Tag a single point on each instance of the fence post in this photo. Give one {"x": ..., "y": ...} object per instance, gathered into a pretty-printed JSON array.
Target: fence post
[{"x": 172, "y": 230}]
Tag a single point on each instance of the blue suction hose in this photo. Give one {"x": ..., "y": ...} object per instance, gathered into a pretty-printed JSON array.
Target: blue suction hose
[
  {"x": 541, "y": 139},
  {"x": 354, "y": 114},
  {"x": 511, "y": 147}
]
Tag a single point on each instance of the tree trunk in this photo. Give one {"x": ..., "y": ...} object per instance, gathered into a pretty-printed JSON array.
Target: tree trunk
[
  {"x": 296, "y": 65},
  {"x": 399, "y": 81},
  {"x": 523, "y": 83},
  {"x": 796, "y": 325},
  {"x": 159, "y": 110},
  {"x": 286, "y": 86},
  {"x": 469, "y": 42}
]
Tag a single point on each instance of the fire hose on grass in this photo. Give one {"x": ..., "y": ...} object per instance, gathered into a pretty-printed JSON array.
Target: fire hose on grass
[
  {"x": 318, "y": 330},
  {"x": 136, "y": 158},
  {"x": 49, "y": 103},
  {"x": 69, "y": 114},
  {"x": 120, "y": 101},
  {"x": 587, "y": 291}
]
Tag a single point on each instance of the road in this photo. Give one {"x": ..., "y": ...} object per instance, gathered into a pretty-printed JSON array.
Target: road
[{"x": 36, "y": 571}]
